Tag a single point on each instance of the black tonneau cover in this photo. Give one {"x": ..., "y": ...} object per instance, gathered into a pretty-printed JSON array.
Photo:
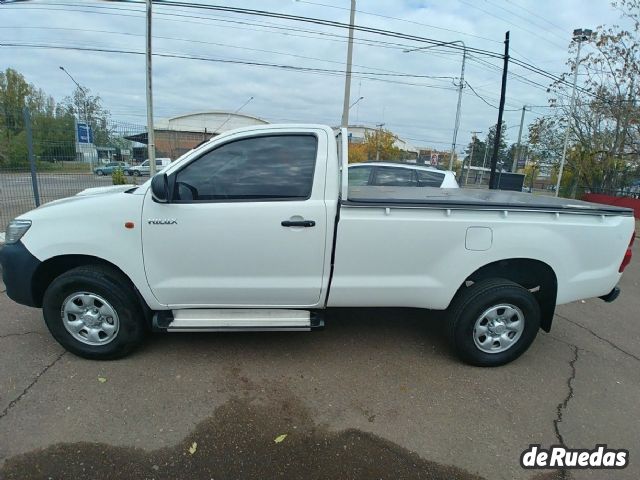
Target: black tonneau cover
[{"x": 474, "y": 199}]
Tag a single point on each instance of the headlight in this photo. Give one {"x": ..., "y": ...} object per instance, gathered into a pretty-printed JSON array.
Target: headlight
[{"x": 15, "y": 230}]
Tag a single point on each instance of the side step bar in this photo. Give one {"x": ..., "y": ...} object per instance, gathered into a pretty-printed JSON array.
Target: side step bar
[{"x": 235, "y": 320}]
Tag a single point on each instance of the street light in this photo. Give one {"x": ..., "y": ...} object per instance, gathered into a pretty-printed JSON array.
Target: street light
[
  {"x": 580, "y": 35},
  {"x": 86, "y": 114},
  {"x": 355, "y": 103},
  {"x": 84, "y": 93},
  {"x": 460, "y": 87}
]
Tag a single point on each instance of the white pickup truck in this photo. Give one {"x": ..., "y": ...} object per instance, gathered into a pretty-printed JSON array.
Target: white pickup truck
[{"x": 258, "y": 229}]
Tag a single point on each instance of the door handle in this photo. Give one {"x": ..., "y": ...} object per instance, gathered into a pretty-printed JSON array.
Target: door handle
[{"x": 298, "y": 223}]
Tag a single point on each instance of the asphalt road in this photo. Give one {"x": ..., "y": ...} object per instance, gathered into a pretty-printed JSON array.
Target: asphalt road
[{"x": 374, "y": 395}]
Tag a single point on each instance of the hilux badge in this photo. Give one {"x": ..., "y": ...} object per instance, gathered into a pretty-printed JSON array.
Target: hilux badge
[{"x": 162, "y": 221}]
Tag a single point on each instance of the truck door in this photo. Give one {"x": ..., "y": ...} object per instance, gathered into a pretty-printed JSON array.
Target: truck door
[{"x": 246, "y": 225}]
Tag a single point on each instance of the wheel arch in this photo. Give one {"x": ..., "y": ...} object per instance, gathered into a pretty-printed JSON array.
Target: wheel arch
[
  {"x": 534, "y": 275},
  {"x": 53, "y": 267}
]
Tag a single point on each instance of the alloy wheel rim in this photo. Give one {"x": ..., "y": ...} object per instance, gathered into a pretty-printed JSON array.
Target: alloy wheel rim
[{"x": 89, "y": 318}]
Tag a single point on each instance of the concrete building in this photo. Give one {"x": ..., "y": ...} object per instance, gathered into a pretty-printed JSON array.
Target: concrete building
[{"x": 177, "y": 135}]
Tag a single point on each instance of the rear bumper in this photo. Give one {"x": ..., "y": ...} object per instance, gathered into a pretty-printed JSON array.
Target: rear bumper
[
  {"x": 611, "y": 296},
  {"x": 18, "y": 268}
]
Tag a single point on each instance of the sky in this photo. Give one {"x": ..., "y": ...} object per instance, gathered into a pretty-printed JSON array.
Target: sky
[{"x": 412, "y": 93}]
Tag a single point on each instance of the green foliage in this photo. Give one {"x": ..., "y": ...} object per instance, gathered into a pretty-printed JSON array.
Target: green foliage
[
  {"x": 89, "y": 108},
  {"x": 478, "y": 147},
  {"x": 117, "y": 177},
  {"x": 604, "y": 139},
  {"x": 52, "y": 124}
]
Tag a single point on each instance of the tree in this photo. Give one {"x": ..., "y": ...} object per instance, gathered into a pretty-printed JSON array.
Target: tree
[
  {"x": 604, "y": 135},
  {"x": 88, "y": 108},
  {"x": 503, "y": 154},
  {"x": 478, "y": 147},
  {"x": 52, "y": 127},
  {"x": 357, "y": 153},
  {"x": 377, "y": 145}
]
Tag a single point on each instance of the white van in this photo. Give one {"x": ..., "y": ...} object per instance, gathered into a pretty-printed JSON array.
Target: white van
[{"x": 143, "y": 168}]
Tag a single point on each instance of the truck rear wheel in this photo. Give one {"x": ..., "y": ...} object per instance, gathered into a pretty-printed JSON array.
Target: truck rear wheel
[
  {"x": 93, "y": 312},
  {"x": 493, "y": 322}
]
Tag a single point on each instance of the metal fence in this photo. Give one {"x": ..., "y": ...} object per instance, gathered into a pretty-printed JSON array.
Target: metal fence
[{"x": 38, "y": 164}]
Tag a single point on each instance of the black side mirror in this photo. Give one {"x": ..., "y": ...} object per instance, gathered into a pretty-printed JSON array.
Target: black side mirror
[{"x": 160, "y": 188}]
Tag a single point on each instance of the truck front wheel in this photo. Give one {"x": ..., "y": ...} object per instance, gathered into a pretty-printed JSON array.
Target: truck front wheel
[
  {"x": 493, "y": 322},
  {"x": 93, "y": 312}
]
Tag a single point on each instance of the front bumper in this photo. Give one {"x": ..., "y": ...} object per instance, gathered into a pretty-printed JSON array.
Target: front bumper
[
  {"x": 611, "y": 296},
  {"x": 18, "y": 269}
]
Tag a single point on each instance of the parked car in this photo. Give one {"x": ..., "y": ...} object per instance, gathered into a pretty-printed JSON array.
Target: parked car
[
  {"x": 258, "y": 229},
  {"x": 400, "y": 175},
  {"x": 108, "y": 168},
  {"x": 143, "y": 168}
]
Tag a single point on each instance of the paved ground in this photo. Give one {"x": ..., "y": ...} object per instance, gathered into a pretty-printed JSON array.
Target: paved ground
[{"x": 375, "y": 395}]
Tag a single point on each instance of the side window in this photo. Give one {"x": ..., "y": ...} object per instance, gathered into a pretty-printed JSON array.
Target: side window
[
  {"x": 430, "y": 179},
  {"x": 269, "y": 167},
  {"x": 395, "y": 177},
  {"x": 359, "y": 176}
]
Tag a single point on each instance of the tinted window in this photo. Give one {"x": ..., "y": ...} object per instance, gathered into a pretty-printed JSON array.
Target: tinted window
[
  {"x": 430, "y": 179},
  {"x": 359, "y": 176},
  {"x": 279, "y": 166},
  {"x": 395, "y": 177}
]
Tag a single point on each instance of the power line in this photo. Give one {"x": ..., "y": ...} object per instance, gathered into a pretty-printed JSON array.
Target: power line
[
  {"x": 386, "y": 33},
  {"x": 538, "y": 16},
  {"x": 403, "y": 20},
  {"x": 508, "y": 22},
  {"x": 526, "y": 19},
  {"x": 387, "y": 72},
  {"x": 267, "y": 25},
  {"x": 366, "y": 75},
  {"x": 324, "y": 22}
]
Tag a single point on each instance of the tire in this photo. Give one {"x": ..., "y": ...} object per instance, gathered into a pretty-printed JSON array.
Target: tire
[
  {"x": 484, "y": 328},
  {"x": 112, "y": 324},
  {"x": 99, "y": 173},
  {"x": 136, "y": 173}
]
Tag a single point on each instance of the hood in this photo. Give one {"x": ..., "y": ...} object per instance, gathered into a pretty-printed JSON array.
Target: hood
[
  {"x": 86, "y": 194},
  {"x": 102, "y": 190}
]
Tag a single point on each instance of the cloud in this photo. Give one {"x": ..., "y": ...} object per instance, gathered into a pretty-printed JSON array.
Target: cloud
[{"x": 540, "y": 33}]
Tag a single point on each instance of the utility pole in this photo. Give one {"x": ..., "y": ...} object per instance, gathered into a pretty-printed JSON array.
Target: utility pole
[
  {"x": 151, "y": 140},
  {"x": 379, "y": 125},
  {"x": 457, "y": 122},
  {"x": 580, "y": 35},
  {"x": 503, "y": 91},
  {"x": 347, "y": 77},
  {"x": 484, "y": 160},
  {"x": 516, "y": 154},
  {"x": 473, "y": 146},
  {"x": 460, "y": 88}
]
